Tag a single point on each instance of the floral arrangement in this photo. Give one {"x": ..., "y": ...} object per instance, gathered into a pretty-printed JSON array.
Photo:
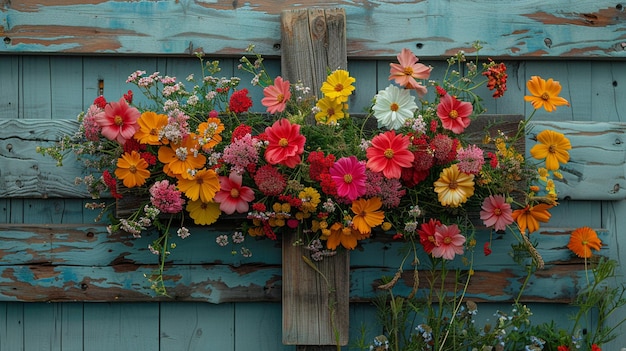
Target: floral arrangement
[{"x": 307, "y": 167}]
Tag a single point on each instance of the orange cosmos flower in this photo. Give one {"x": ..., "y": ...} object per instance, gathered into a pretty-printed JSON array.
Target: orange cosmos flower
[
  {"x": 182, "y": 159},
  {"x": 553, "y": 147},
  {"x": 583, "y": 240},
  {"x": 341, "y": 235},
  {"x": 150, "y": 126},
  {"x": 544, "y": 93},
  {"x": 454, "y": 187},
  {"x": 530, "y": 216},
  {"x": 132, "y": 169},
  {"x": 367, "y": 214},
  {"x": 209, "y": 133},
  {"x": 204, "y": 185}
]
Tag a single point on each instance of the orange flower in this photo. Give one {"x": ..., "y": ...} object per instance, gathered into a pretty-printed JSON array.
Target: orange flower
[
  {"x": 367, "y": 214},
  {"x": 132, "y": 169},
  {"x": 530, "y": 216},
  {"x": 454, "y": 187},
  {"x": 182, "y": 159},
  {"x": 583, "y": 240},
  {"x": 544, "y": 93},
  {"x": 204, "y": 185},
  {"x": 209, "y": 133},
  {"x": 341, "y": 235},
  {"x": 552, "y": 147},
  {"x": 150, "y": 126}
]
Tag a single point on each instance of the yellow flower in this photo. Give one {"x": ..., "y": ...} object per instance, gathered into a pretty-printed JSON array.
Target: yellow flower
[
  {"x": 530, "y": 216},
  {"x": 454, "y": 187},
  {"x": 338, "y": 85},
  {"x": 583, "y": 240},
  {"x": 132, "y": 169},
  {"x": 150, "y": 126},
  {"x": 202, "y": 186},
  {"x": 310, "y": 199},
  {"x": 544, "y": 93},
  {"x": 203, "y": 213},
  {"x": 330, "y": 111},
  {"x": 543, "y": 174},
  {"x": 367, "y": 214},
  {"x": 553, "y": 147}
]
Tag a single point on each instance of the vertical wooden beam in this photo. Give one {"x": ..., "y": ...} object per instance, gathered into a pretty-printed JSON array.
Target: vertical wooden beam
[{"x": 315, "y": 309}]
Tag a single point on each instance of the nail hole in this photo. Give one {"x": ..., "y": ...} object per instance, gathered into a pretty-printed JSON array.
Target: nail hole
[
  {"x": 90, "y": 234},
  {"x": 419, "y": 45},
  {"x": 7, "y": 40},
  {"x": 276, "y": 46},
  {"x": 619, "y": 6},
  {"x": 614, "y": 83},
  {"x": 548, "y": 42},
  {"x": 83, "y": 286}
]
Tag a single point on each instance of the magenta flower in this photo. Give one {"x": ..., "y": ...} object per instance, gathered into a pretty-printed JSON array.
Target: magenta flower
[
  {"x": 276, "y": 96},
  {"x": 448, "y": 241},
  {"x": 166, "y": 198},
  {"x": 389, "y": 153},
  {"x": 454, "y": 114},
  {"x": 118, "y": 121},
  {"x": 232, "y": 195},
  {"x": 496, "y": 212},
  {"x": 349, "y": 176}
]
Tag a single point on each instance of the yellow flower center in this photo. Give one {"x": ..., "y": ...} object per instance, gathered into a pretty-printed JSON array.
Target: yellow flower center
[
  {"x": 330, "y": 112},
  {"x": 545, "y": 97},
  {"x": 234, "y": 193},
  {"x": 347, "y": 178},
  {"x": 453, "y": 185},
  {"x": 389, "y": 153},
  {"x": 118, "y": 120},
  {"x": 280, "y": 98},
  {"x": 497, "y": 211},
  {"x": 552, "y": 149},
  {"x": 394, "y": 107},
  {"x": 447, "y": 240},
  {"x": 154, "y": 131},
  {"x": 408, "y": 71},
  {"x": 132, "y": 169},
  {"x": 339, "y": 87},
  {"x": 453, "y": 114},
  {"x": 283, "y": 142}
]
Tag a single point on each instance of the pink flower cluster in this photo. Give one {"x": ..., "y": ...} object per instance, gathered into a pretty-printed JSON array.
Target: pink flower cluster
[{"x": 166, "y": 198}]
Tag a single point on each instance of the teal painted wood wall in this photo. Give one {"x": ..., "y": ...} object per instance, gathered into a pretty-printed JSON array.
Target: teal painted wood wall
[{"x": 53, "y": 54}]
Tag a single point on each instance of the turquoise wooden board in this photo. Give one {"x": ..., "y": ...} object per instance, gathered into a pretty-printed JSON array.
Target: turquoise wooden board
[{"x": 534, "y": 29}]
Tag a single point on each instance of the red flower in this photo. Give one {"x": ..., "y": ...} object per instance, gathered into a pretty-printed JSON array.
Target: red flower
[
  {"x": 100, "y": 101},
  {"x": 427, "y": 234},
  {"x": 240, "y": 101},
  {"x": 111, "y": 183},
  {"x": 118, "y": 121},
  {"x": 232, "y": 195},
  {"x": 487, "y": 249},
  {"x": 454, "y": 114},
  {"x": 562, "y": 348},
  {"x": 240, "y": 131},
  {"x": 595, "y": 347},
  {"x": 319, "y": 164},
  {"x": 129, "y": 97},
  {"x": 286, "y": 144},
  {"x": 496, "y": 73},
  {"x": 389, "y": 154}
]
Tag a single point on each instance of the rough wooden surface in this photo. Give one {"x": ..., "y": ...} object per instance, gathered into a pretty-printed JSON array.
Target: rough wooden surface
[{"x": 376, "y": 28}]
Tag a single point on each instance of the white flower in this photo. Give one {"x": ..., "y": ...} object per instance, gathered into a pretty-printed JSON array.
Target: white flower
[{"x": 393, "y": 107}]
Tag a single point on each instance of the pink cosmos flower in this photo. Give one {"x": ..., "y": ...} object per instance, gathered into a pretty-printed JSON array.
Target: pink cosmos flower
[
  {"x": 389, "y": 153},
  {"x": 166, "y": 198},
  {"x": 232, "y": 195},
  {"x": 407, "y": 70},
  {"x": 349, "y": 176},
  {"x": 276, "y": 96},
  {"x": 427, "y": 234},
  {"x": 286, "y": 144},
  {"x": 449, "y": 241},
  {"x": 496, "y": 212},
  {"x": 118, "y": 121},
  {"x": 454, "y": 114}
]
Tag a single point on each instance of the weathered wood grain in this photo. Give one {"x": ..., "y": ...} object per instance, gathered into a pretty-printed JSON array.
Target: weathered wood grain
[
  {"x": 81, "y": 263},
  {"x": 526, "y": 29}
]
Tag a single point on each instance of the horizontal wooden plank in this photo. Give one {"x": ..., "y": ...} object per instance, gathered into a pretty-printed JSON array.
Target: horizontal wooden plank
[
  {"x": 81, "y": 263},
  {"x": 535, "y": 28},
  {"x": 597, "y": 166},
  {"x": 596, "y": 171}
]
